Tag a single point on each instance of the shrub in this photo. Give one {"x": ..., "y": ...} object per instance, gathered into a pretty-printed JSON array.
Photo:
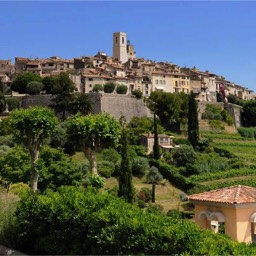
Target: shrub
[
  {"x": 184, "y": 155},
  {"x": 98, "y": 224},
  {"x": 20, "y": 189},
  {"x": 106, "y": 168},
  {"x": 140, "y": 166},
  {"x": 137, "y": 93},
  {"x": 12, "y": 103},
  {"x": 111, "y": 155},
  {"x": 121, "y": 89},
  {"x": 34, "y": 87},
  {"x": 145, "y": 194},
  {"x": 97, "y": 88},
  {"x": 249, "y": 132},
  {"x": 109, "y": 87},
  {"x": 180, "y": 141},
  {"x": 207, "y": 163},
  {"x": 216, "y": 124}
]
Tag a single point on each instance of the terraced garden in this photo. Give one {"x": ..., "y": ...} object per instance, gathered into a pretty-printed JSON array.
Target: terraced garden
[{"x": 244, "y": 149}]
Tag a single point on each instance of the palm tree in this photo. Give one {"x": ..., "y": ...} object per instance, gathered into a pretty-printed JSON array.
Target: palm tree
[
  {"x": 81, "y": 103},
  {"x": 153, "y": 177}
]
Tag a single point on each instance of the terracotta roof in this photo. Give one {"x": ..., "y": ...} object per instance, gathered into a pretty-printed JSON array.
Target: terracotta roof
[{"x": 232, "y": 195}]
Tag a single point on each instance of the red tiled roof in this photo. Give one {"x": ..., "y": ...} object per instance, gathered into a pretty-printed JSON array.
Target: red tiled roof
[{"x": 232, "y": 195}]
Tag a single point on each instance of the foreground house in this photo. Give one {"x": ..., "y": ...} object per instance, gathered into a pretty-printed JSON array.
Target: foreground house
[{"x": 229, "y": 210}]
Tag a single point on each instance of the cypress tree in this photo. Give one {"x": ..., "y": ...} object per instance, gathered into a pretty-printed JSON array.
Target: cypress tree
[
  {"x": 193, "y": 126},
  {"x": 125, "y": 189},
  {"x": 156, "y": 150}
]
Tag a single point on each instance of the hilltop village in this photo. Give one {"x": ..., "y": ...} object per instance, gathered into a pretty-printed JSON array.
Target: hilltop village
[{"x": 123, "y": 67}]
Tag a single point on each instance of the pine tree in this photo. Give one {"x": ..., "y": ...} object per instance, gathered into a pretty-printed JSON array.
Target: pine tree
[
  {"x": 193, "y": 127},
  {"x": 126, "y": 189},
  {"x": 156, "y": 150}
]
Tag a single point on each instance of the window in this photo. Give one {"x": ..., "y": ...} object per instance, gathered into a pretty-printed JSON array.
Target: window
[
  {"x": 163, "y": 81},
  {"x": 116, "y": 40},
  {"x": 176, "y": 83},
  {"x": 156, "y": 81},
  {"x": 90, "y": 85},
  {"x": 90, "y": 79},
  {"x": 50, "y": 64},
  {"x": 122, "y": 40}
]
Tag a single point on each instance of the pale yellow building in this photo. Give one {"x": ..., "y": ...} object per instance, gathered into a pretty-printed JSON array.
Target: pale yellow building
[{"x": 229, "y": 210}]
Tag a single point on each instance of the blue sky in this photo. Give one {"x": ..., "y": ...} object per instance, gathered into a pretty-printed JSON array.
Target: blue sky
[{"x": 217, "y": 36}]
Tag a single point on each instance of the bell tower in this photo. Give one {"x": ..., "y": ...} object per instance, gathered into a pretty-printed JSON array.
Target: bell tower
[{"x": 120, "y": 46}]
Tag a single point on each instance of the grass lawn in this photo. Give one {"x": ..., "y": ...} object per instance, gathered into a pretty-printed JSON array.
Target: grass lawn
[{"x": 166, "y": 195}]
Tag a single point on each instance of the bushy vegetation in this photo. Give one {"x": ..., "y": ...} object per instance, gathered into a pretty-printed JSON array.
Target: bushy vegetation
[
  {"x": 137, "y": 93},
  {"x": 121, "y": 89},
  {"x": 98, "y": 223},
  {"x": 247, "y": 132},
  {"x": 97, "y": 88},
  {"x": 214, "y": 112},
  {"x": 109, "y": 87}
]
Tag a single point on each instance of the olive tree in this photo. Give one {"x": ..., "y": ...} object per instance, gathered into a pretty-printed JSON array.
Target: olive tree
[
  {"x": 31, "y": 127},
  {"x": 93, "y": 132},
  {"x": 153, "y": 177}
]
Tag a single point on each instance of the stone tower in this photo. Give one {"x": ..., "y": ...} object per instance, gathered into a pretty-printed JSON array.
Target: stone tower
[{"x": 120, "y": 46}]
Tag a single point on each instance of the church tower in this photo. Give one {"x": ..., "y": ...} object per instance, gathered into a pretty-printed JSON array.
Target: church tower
[{"x": 120, "y": 46}]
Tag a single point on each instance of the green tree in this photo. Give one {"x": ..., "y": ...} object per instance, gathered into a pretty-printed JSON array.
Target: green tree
[
  {"x": 171, "y": 108},
  {"x": 109, "y": 87},
  {"x": 82, "y": 103},
  {"x": 142, "y": 125},
  {"x": 153, "y": 177},
  {"x": 93, "y": 132},
  {"x": 34, "y": 87},
  {"x": 193, "y": 126},
  {"x": 57, "y": 169},
  {"x": 2, "y": 102},
  {"x": 183, "y": 155},
  {"x": 121, "y": 89},
  {"x": 156, "y": 149},
  {"x": 22, "y": 80},
  {"x": 137, "y": 93},
  {"x": 248, "y": 114},
  {"x": 49, "y": 84},
  {"x": 31, "y": 127},
  {"x": 97, "y": 88},
  {"x": 15, "y": 165},
  {"x": 12, "y": 103},
  {"x": 125, "y": 189},
  {"x": 63, "y": 90}
]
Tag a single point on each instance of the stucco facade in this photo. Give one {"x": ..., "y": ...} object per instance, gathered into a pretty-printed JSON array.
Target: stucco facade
[{"x": 230, "y": 210}]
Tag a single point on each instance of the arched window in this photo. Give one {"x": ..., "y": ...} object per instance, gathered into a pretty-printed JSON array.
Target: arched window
[{"x": 253, "y": 226}]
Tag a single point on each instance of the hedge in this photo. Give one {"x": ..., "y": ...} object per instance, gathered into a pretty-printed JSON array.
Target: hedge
[{"x": 72, "y": 221}]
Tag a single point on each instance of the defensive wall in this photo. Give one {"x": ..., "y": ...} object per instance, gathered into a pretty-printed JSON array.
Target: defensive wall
[
  {"x": 128, "y": 106},
  {"x": 119, "y": 105}
]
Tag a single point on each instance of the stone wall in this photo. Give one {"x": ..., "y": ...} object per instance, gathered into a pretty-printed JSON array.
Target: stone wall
[
  {"x": 233, "y": 110},
  {"x": 119, "y": 105},
  {"x": 116, "y": 105},
  {"x": 128, "y": 106}
]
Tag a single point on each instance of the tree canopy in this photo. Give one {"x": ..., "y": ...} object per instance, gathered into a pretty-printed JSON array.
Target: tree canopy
[
  {"x": 171, "y": 108},
  {"x": 31, "y": 127},
  {"x": 93, "y": 132},
  {"x": 22, "y": 80}
]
